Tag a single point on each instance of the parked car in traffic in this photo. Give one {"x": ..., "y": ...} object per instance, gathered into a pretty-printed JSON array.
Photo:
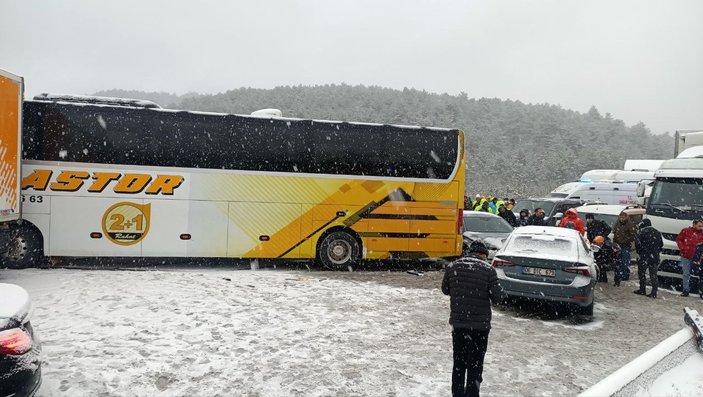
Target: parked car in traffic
[
  {"x": 609, "y": 213},
  {"x": 551, "y": 206},
  {"x": 548, "y": 264},
  {"x": 492, "y": 229},
  {"x": 20, "y": 350}
]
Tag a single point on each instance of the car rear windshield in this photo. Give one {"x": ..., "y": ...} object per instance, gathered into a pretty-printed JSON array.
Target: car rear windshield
[
  {"x": 486, "y": 224},
  {"x": 542, "y": 244},
  {"x": 531, "y": 205},
  {"x": 608, "y": 219}
]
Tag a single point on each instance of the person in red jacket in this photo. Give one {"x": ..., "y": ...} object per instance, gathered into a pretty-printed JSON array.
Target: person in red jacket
[
  {"x": 571, "y": 215},
  {"x": 688, "y": 240}
]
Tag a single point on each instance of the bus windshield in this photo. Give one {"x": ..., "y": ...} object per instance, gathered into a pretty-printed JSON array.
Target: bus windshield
[{"x": 680, "y": 198}]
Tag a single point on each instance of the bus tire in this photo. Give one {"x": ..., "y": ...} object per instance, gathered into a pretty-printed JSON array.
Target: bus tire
[
  {"x": 339, "y": 250},
  {"x": 24, "y": 248}
]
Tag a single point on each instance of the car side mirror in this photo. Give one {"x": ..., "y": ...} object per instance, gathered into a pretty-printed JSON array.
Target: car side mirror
[
  {"x": 558, "y": 216},
  {"x": 595, "y": 248}
]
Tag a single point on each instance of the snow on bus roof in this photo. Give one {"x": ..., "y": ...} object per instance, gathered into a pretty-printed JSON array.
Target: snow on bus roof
[
  {"x": 97, "y": 100},
  {"x": 86, "y": 100},
  {"x": 204, "y": 113}
]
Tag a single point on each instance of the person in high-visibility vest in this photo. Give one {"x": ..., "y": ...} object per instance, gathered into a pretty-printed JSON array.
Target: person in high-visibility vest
[
  {"x": 492, "y": 205},
  {"x": 475, "y": 202}
]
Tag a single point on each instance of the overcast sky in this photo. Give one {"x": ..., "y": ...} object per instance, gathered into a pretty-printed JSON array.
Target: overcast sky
[{"x": 638, "y": 60}]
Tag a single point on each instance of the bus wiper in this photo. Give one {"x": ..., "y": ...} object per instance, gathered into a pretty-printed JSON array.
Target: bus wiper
[{"x": 671, "y": 206}]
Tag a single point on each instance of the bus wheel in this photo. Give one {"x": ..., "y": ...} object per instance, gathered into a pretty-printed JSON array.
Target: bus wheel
[
  {"x": 23, "y": 249},
  {"x": 338, "y": 250}
]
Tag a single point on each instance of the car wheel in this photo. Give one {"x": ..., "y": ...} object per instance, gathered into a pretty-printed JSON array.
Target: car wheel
[
  {"x": 338, "y": 250},
  {"x": 24, "y": 248},
  {"x": 587, "y": 311}
]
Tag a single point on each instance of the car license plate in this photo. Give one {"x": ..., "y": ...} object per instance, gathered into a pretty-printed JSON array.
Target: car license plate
[{"x": 538, "y": 271}]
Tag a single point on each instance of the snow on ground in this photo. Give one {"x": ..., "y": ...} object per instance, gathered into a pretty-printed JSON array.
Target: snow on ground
[
  {"x": 270, "y": 333},
  {"x": 685, "y": 380}
]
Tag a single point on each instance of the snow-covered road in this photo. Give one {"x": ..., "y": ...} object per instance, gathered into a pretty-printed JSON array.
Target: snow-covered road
[{"x": 207, "y": 332}]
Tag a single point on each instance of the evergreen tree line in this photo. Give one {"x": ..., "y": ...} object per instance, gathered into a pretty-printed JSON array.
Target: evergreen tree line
[{"x": 513, "y": 149}]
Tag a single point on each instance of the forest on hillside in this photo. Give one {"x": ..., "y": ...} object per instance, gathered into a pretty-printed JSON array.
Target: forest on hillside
[{"x": 514, "y": 149}]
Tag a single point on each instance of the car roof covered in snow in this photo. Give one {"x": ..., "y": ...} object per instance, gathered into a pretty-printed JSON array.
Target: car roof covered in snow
[
  {"x": 479, "y": 214},
  {"x": 552, "y": 199},
  {"x": 14, "y": 303},
  {"x": 610, "y": 209},
  {"x": 547, "y": 231}
]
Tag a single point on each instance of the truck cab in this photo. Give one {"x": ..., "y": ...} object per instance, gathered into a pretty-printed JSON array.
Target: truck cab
[{"x": 676, "y": 200}]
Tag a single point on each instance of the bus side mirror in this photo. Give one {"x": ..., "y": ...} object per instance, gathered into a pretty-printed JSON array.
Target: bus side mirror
[{"x": 640, "y": 189}]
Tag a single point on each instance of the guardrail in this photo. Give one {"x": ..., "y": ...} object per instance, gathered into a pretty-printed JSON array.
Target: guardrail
[{"x": 641, "y": 372}]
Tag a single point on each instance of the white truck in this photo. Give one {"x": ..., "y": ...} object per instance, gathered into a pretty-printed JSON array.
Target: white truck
[
  {"x": 687, "y": 139},
  {"x": 611, "y": 192},
  {"x": 11, "y": 98},
  {"x": 677, "y": 199},
  {"x": 610, "y": 186}
]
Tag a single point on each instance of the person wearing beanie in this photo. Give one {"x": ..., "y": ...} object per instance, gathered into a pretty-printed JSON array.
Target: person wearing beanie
[{"x": 472, "y": 285}]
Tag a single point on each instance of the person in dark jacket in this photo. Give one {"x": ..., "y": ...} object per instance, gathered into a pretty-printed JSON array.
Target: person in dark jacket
[
  {"x": 648, "y": 245},
  {"x": 472, "y": 284},
  {"x": 697, "y": 262},
  {"x": 596, "y": 227},
  {"x": 507, "y": 215},
  {"x": 524, "y": 218},
  {"x": 606, "y": 257},
  {"x": 485, "y": 207},
  {"x": 537, "y": 219}
]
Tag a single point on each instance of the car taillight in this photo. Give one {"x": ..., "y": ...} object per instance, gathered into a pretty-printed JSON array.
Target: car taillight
[
  {"x": 501, "y": 262},
  {"x": 583, "y": 270},
  {"x": 460, "y": 223},
  {"x": 15, "y": 342}
]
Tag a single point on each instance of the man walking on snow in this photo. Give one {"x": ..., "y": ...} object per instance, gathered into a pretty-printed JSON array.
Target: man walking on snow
[{"x": 472, "y": 284}]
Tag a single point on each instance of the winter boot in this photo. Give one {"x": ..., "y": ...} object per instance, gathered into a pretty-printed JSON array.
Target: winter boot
[{"x": 640, "y": 292}]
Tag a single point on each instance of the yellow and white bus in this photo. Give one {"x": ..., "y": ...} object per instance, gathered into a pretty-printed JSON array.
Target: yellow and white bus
[{"x": 108, "y": 177}]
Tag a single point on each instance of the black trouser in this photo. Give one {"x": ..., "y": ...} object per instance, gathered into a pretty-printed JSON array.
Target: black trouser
[
  {"x": 603, "y": 273},
  {"x": 651, "y": 264},
  {"x": 469, "y": 350}
]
